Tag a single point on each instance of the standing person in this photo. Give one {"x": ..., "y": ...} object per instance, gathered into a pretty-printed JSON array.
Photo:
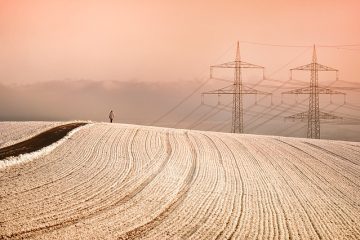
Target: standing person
[{"x": 111, "y": 116}]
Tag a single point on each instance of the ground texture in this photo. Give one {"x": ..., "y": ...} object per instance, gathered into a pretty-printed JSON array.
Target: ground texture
[
  {"x": 112, "y": 181},
  {"x": 14, "y": 132},
  {"x": 39, "y": 141}
]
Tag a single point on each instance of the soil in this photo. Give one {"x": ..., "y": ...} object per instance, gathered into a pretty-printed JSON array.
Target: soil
[{"x": 39, "y": 141}]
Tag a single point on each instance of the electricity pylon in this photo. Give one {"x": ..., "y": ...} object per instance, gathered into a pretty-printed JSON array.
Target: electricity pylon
[
  {"x": 237, "y": 89},
  {"x": 313, "y": 115}
]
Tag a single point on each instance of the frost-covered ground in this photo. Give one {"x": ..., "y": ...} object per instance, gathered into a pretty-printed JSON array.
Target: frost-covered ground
[
  {"x": 14, "y": 132},
  {"x": 113, "y": 181}
]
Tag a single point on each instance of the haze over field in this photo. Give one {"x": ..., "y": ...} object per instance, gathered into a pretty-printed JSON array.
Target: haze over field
[{"x": 142, "y": 103}]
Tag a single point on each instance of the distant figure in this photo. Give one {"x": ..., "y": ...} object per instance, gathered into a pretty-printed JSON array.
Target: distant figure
[{"x": 111, "y": 116}]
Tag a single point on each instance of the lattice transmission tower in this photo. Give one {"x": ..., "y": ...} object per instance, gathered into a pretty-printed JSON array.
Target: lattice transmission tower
[
  {"x": 313, "y": 115},
  {"x": 237, "y": 89}
]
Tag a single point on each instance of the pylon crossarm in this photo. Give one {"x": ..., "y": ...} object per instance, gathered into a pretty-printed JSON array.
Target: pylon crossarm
[
  {"x": 231, "y": 90},
  {"x": 307, "y": 90},
  {"x": 224, "y": 65},
  {"x": 319, "y": 67},
  {"x": 323, "y": 90},
  {"x": 304, "y": 115},
  {"x": 324, "y": 115},
  {"x": 234, "y": 65},
  {"x": 299, "y": 116}
]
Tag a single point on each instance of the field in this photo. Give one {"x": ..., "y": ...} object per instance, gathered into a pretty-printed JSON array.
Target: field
[
  {"x": 116, "y": 181},
  {"x": 14, "y": 132}
]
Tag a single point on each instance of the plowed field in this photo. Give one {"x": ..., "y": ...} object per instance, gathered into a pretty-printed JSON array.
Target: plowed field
[{"x": 113, "y": 181}]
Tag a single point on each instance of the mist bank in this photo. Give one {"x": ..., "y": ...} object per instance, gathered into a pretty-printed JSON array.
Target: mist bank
[
  {"x": 138, "y": 102},
  {"x": 132, "y": 101}
]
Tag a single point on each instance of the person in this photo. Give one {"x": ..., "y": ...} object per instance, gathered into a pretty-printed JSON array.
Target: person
[{"x": 111, "y": 116}]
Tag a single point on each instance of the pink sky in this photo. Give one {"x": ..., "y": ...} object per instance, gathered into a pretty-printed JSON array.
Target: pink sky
[{"x": 45, "y": 40}]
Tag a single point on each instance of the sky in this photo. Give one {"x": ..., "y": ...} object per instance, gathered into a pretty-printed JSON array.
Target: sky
[
  {"x": 76, "y": 59},
  {"x": 47, "y": 40}
]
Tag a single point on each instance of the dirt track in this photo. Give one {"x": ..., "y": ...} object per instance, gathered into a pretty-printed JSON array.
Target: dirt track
[
  {"x": 39, "y": 141},
  {"x": 112, "y": 181},
  {"x": 15, "y": 132}
]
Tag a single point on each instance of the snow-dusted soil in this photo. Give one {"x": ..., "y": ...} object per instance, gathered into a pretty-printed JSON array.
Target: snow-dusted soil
[
  {"x": 113, "y": 181},
  {"x": 14, "y": 132}
]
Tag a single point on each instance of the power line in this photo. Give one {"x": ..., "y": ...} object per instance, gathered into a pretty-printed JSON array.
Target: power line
[
  {"x": 180, "y": 103},
  {"x": 275, "y": 45},
  {"x": 285, "y": 110},
  {"x": 340, "y": 46},
  {"x": 291, "y": 107},
  {"x": 191, "y": 94},
  {"x": 207, "y": 115},
  {"x": 257, "y": 115},
  {"x": 300, "y": 46},
  {"x": 279, "y": 87},
  {"x": 205, "y": 82},
  {"x": 189, "y": 114}
]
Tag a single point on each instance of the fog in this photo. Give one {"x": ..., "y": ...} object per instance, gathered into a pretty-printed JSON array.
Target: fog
[
  {"x": 137, "y": 102},
  {"x": 132, "y": 101}
]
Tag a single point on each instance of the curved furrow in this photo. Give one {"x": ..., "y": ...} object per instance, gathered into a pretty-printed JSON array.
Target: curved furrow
[
  {"x": 326, "y": 171},
  {"x": 339, "y": 153},
  {"x": 142, "y": 230},
  {"x": 244, "y": 219},
  {"x": 90, "y": 182},
  {"x": 126, "y": 195},
  {"x": 271, "y": 209},
  {"x": 231, "y": 167},
  {"x": 344, "y": 192},
  {"x": 167, "y": 223},
  {"x": 14, "y": 132},
  {"x": 283, "y": 200},
  {"x": 31, "y": 168},
  {"x": 340, "y": 165},
  {"x": 327, "y": 199},
  {"x": 289, "y": 188},
  {"x": 213, "y": 203},
  {"x": 52, "y": 201},
  {"x": 311, "y": 189},
  {"x": 348, "y": 149},
  {"x": 121, "y": 192},
  {"x": 352, "y": 147},
  {"x": 254, "y": 192},
  {"x": 59, "y": 170},
  {"x": 54, "y": 194},
  {"x": 178, "y": 169},
  {"x": 299, "y": 198},
  {"x": 189, "y": 221}
]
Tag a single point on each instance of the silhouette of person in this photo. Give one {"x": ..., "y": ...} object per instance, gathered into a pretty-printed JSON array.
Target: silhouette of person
[{"x": 111, "y": 116}]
